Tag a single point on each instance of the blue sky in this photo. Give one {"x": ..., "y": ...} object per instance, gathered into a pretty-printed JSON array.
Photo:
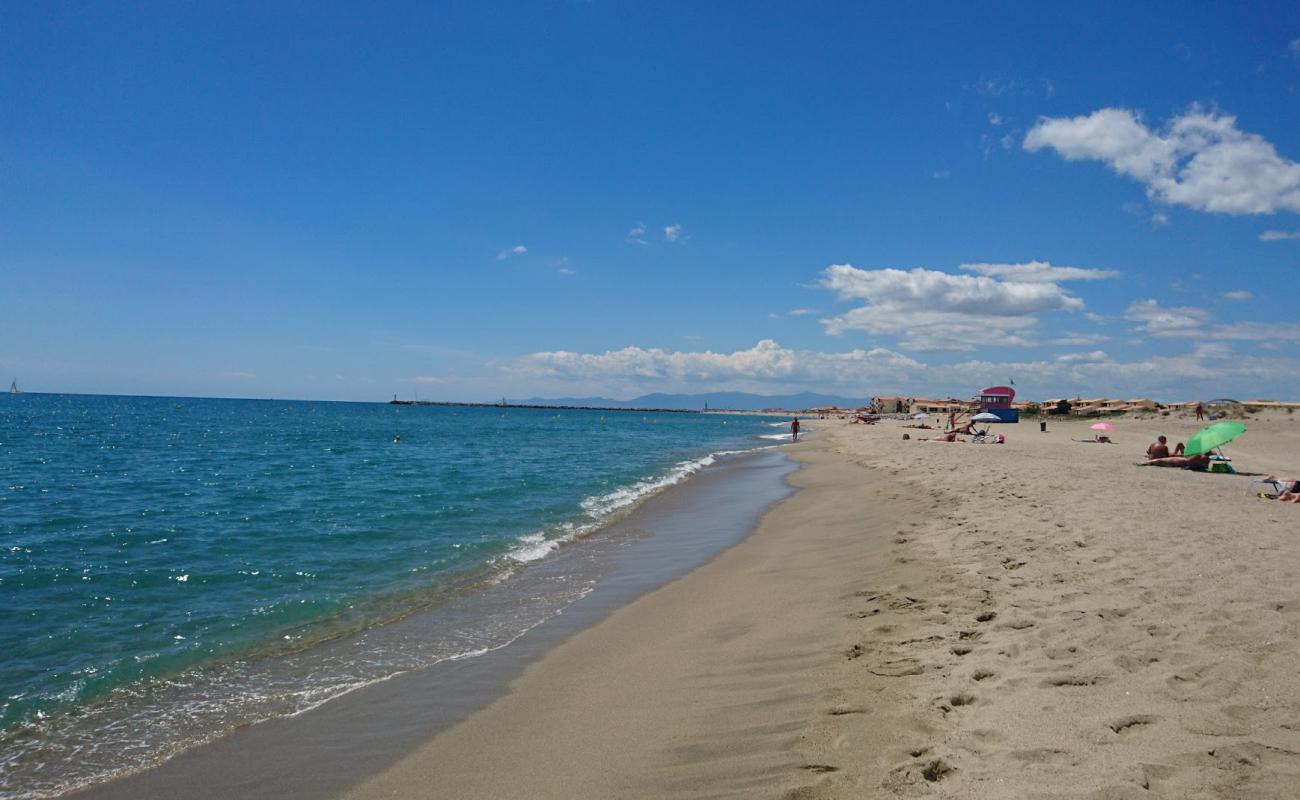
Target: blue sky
[{"x": 563, "y": 198}]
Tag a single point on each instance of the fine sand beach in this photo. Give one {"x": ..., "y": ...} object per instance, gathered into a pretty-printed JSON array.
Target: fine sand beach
[{"x": 1041, "y": 618}]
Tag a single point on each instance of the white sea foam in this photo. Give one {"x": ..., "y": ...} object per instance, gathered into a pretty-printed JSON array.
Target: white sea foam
[
  {"x": 776, "y": 436},
  {"x": 599, "y": 508}
]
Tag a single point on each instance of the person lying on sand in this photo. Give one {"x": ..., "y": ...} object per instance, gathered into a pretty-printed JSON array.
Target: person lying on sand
[
  {"x": 1159, "y": 448},
  {"x": 950, "y": 436},
  {"x": 1290, "y": 488},
  {"x": 1100, "y": 439},
  {"x": 922, "y": 426},
  {"x": 1199, "y": 463}
]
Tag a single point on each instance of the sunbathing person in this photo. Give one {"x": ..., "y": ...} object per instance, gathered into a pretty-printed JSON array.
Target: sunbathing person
[
  {"x": 1197, "y": 463},
  {"x": 950, "y": 436},
  {"x": 1289, "y": 488},
  {"x": 1159, "y": 448}
]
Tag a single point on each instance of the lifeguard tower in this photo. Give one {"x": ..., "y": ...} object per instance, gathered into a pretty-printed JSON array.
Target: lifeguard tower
[{"x": 996, "y": 400}]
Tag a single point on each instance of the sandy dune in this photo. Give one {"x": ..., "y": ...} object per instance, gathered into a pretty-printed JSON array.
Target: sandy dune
[{"x": 1035, "y": 619}]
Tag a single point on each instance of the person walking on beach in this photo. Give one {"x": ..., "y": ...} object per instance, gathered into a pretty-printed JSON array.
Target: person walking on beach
[
  {"x": 794, "y": 429},
  {"x": 1200, "y": 413}
]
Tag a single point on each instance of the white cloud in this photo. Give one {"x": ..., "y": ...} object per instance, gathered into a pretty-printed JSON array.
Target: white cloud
[
  {"x": 1159, "y": 219},
  {"x": 240, "y": 375},
  {"x": 1081, "y": 339},
  {"x": 637, "y": 234},
  {"x": 998, "y": 86},
  {"x": 766, "y": 363},
  {"x": 1167, "y": 322},
  {"x": 567, "y": 271},
  {"x": 1094, "y": 357},
  {"x": 672, "y": 232},
  {"x": 1191, "y": 322},
  {"x": 936, "y": 330},
  {"x": 1239, "y": 294},
  {"x": 1294, "y": 47},
  {"x": 1200, "y": 159},
  {"x": 1255, "y": 332},
  {"x": 802, "y": 312},
  {"x": 927, "y": 289},
  {"x": 995, "y": 119},
  {"x": 517, "y": 250},
  {"x": 1278, "y": 236},
  {"x": 1039, "y": 272},
  {"x": 940, "y": 174},
  {"x": 933, "y": 310}
]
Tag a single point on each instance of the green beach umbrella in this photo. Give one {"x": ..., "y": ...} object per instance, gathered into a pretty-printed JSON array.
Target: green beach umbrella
[{"x": 1218, "y": 434}]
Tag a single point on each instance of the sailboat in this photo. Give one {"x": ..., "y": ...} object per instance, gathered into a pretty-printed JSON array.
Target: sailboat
[{"x": 13, "y": 387}]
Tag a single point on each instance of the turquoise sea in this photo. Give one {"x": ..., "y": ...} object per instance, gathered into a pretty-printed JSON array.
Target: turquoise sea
[{"x": 171, "y": 569}]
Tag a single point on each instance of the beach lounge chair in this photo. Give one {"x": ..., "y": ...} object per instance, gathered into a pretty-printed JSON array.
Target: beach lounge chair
[{"x": 1270, "y": 487}]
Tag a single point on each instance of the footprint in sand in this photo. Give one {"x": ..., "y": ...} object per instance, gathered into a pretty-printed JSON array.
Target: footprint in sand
[
  {"x": 1069, "y": 681},
  {"x": 898, "y": 668},
  {"x": 1128, "y": 723},
  {"x": 956, "y": 701}
]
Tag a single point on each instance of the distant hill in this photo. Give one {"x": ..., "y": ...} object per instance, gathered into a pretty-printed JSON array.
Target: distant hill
[{"x": 739, "y": 401}]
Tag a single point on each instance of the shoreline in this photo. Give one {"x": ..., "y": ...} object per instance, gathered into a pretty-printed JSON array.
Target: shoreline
[
  {"x": 709, "y": 686},
  {"x": 1035, "y": 619},
  {"x": 667, "y": 533}
]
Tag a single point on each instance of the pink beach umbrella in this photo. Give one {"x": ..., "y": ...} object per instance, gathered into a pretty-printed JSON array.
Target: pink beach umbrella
[{"x": 1102, "y": 426}]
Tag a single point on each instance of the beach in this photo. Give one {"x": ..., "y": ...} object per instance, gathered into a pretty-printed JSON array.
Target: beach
[{"x": 1041, "y": 618}]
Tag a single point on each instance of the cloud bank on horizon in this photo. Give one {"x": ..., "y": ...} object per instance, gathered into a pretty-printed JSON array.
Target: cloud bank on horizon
[
  {"x": 770, "y": 367},
  {"x": 927, "y": 310}
]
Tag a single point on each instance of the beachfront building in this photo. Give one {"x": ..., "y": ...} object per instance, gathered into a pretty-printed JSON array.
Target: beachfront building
[
  {"x": 891, "y": 404},
  {"x": 997, "y": 400},
  {"x": 948, "y": 405}
]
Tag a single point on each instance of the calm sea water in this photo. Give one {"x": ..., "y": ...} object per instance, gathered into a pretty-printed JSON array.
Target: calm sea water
[{"x": 173, "y": 568}]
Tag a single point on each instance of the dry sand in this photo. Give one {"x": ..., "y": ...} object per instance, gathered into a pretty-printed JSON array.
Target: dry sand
[{"x": 1041, "y": 618}]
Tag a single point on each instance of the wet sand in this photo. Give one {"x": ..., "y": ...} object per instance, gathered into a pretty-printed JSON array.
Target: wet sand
[{"x": 1041, "y": 618}]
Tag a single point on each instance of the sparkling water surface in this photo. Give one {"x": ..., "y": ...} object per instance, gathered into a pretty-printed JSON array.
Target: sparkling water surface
[{"x": 172, "y": 568}]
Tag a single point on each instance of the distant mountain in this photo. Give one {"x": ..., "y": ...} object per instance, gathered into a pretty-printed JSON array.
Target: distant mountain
[{"x": 738, "y": 401}]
